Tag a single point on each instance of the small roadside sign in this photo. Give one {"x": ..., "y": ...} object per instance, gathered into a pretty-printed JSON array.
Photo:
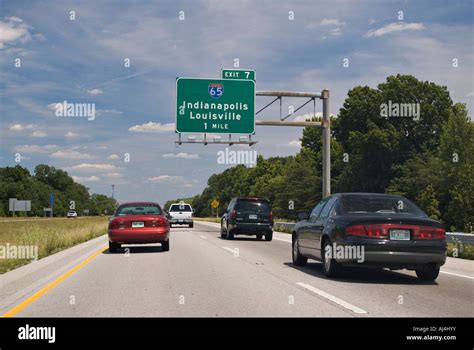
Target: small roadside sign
[
  {"x": 214, "y": 203},
  {"x": 246, "y": 74}
]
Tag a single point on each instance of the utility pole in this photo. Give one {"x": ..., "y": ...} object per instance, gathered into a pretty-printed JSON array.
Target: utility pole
[
  {"x": 326, "y": 144},
  {"x": 113, "y": 186}
]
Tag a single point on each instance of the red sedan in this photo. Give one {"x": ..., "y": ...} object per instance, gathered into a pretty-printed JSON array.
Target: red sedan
[{"x": 138, "y": 223}]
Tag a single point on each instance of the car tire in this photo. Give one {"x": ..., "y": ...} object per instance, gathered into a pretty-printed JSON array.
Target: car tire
[
  {"x": 259, "y": 236},
  {"x": 114, "y": 247},
  {"x": 298, "y": 259},
  {"x": 191, "y": 225},
  {"x": 428, "y": 273},
  {"x": 269, "y": 236},
  {"x": 223, "y": 233},
  {"x": 331, "y": 267},
  {"x": 165, "y": 246},
  {"x": 230, "y": 235}
]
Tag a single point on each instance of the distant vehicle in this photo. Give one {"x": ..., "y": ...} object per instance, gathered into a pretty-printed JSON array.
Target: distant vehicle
[
  {"x": 181, "y": 213},
  {"x": 248, "y": 216},
  {"x": 138, "y": 223},
  {"x": 390, "y": 231},
  {"x": 71, "y": 214}
]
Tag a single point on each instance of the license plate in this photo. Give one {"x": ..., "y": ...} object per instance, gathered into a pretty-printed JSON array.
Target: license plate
[
  {"x": 138, "y": 224},
  {"x": 399, "y": 235},
  {"x": 253, "y": 216}
]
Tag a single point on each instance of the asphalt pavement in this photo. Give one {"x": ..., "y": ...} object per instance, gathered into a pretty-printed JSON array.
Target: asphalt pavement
[{"x": 204, "y": 275}]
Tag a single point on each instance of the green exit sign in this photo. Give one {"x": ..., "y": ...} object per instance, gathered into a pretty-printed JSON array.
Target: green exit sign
[
  {"x": 246, "y": 74},
  {"x": 215, "y": 106}
]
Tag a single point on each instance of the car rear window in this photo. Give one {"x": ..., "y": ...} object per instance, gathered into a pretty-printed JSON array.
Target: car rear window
[
  {"x": 252, "y": 205},
  {"x": 379, "y": 205},
  {"x": 139, "y": 209},
  {"x": 180, "y": 207}
]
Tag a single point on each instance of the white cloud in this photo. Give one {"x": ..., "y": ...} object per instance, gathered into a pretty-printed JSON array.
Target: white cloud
[
  {"x": 113, "y": 175},
  {"x": 181, "y": 155},
  {"x": 335, "y": 31},
  {"x": 70, "y": 154},
  {"x": 95, "y": 92},
  {"x": 20, "y": 127},
  {"x": 167, "y": 179},
  {"x": 71, "y": 134},
  {"x": 93, "y": 167},
  {"x": 152, "y": 127},
  {"x": 38, "y": 133},
  {"x": 35, "y": 148},
  {"x": 294, "y": 143},
  {"x": 81, "y": 179},
  {"x": 113, "y": 157},
  {"x": 13, "y": 29},
  {"x": 394, "y": 27},
  {"x": 331, "y": 22}
]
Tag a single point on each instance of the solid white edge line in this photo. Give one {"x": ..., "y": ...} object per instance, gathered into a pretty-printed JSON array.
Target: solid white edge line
[
  {"x": 457, "y": 274},
  {"x": 333, "y": 298}
]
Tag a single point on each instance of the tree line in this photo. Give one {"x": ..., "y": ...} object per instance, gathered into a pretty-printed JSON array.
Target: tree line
[
  {"x": 18, "y": 182},
  {"x": 428, "y": 158}
]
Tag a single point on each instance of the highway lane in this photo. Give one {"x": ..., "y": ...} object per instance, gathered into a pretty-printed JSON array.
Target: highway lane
[{"x": 204, "y": 275}]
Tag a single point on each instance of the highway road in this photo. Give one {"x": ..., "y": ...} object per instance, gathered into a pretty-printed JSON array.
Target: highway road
[{"x": 204, "y": 275}]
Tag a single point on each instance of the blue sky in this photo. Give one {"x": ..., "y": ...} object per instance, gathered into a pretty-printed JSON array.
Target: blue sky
[{"x": 82, "y": 61}]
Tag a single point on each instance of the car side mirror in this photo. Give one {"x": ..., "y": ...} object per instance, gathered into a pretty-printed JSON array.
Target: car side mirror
[{"x": 302, "y": 215}]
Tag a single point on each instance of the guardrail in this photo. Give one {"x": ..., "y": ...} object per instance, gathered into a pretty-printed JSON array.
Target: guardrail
[{"x": 454, "y": 237}]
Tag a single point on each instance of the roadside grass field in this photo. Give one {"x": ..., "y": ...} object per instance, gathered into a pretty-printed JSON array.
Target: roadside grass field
[
  {"x": 464, "y": 252},
  {"x": 50, "y": 235}
]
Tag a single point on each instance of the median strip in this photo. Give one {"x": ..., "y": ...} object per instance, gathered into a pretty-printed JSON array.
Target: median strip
[
  {"x": 12, "y": 312},
  {"x": 333, "y": 298}
]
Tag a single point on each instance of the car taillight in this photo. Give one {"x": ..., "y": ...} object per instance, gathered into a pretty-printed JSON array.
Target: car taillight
[
  {"x": 270, "y": 216},
  {"x": 159, "y": 222},
  {"x": 355, "y": 230},
  {"x": 370, "y": 230},
  {"x": 427, "y": 232},
  {"x": 233, "y": 215},
  {"x": 114, "y": 224}
]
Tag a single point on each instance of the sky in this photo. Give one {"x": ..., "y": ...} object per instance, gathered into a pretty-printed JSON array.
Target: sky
[{"x": 49, "y": 54}]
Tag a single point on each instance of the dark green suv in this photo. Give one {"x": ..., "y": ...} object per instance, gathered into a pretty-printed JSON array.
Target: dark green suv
[{"x": 248, "y": 216}]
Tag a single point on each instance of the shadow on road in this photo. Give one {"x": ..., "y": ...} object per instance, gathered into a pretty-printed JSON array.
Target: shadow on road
[
  {"x": 243, "y": 238},
  {"x": 136, "y": 250},
  {"x": 362, "y": 275}
]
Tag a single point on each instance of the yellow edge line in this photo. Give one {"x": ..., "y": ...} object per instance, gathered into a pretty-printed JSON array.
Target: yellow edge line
[{"x": 41, "y": 292}]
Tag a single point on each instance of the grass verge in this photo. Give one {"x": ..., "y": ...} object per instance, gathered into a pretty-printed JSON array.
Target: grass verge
[
  {"x": 49, "y": 235},
  {"x": 463, "y": 251}
]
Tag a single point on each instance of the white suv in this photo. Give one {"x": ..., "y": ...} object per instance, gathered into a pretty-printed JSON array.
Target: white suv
[{"x": 181, "y": 213}]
